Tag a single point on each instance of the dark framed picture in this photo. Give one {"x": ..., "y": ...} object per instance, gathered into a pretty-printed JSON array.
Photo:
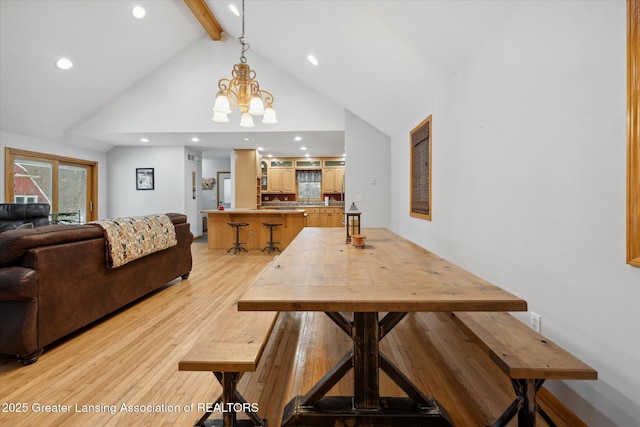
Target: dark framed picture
[
  {"x": 420, "y": 138},
  {"x": 144, "y": 179}
]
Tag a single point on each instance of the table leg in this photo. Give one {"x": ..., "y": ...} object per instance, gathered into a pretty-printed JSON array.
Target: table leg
[
  {"x": 366, "y": 361},
  {"x": 366, "y": 406}
]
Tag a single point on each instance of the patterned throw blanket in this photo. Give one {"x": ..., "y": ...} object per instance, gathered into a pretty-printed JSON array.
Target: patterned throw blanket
[{"x": 130, "y": 238}]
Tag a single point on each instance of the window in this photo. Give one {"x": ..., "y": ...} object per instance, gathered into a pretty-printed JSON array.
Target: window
[
  {"x": 25, "y": 199},
  {"x": 421, "y": 170},
  {"x": 68, "y": 185}
]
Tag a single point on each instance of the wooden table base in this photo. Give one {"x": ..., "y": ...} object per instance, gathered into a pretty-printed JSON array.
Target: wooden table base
[
  {"x": 339, "y": 410},
  {"x": 365, "y": 406}
]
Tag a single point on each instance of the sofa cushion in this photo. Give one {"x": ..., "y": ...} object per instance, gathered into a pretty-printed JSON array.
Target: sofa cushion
[
  {"x": 12, "y": 215},
  {"x": 14, "y": 244},
  {"x": 10, "y": 211}
]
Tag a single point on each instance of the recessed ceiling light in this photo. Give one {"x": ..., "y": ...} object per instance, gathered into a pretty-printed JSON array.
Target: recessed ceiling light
[
  {"x": 269, "y": 155},
  {"x": 307, "y": 155},
  {"x": 144, "y": 140},
  {"x": 303, "y": 148},
  {"x": 298, "y": 138},
  {"x": 312, "y": 59},
  {"x": 260, "y": 149},
  {"x": 234, "y": 9},
  {"x": 247, "y": 139},
  {"x": 195, "y": 139},
  {"x": 138, "y": 12},
  {"x": 64, "y": 64}
]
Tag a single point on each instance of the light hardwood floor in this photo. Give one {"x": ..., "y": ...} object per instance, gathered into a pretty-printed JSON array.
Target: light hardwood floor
[{"x": 131, "y": 358}]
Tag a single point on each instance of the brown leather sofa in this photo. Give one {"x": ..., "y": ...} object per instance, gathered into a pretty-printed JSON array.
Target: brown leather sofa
[
  {"x": 13, "y": 215},
  {"x": 54, "y": 280}
]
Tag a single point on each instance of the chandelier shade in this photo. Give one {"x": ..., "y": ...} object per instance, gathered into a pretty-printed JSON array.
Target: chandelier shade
[{"x": 243, "y": 92}]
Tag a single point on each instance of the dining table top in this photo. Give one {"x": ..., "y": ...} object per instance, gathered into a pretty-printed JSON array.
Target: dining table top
[{"x": 319, "y": 272}]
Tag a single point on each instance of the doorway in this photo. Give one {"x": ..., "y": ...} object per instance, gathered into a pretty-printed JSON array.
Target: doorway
[{"x": 224, "y": 189}]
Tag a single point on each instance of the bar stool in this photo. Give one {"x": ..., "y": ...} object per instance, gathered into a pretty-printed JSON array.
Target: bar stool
[
  {"x": 271, "y": 243},
  {"x": 236, "y": 246}
]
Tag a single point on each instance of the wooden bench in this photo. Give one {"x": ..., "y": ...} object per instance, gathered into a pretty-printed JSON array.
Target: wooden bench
[
  {"x": 527, "y": 357},
  {"x": 229, "y": 350}
]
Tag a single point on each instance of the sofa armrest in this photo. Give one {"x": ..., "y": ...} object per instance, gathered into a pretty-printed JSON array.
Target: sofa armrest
[{"x": 177, "y": 218}]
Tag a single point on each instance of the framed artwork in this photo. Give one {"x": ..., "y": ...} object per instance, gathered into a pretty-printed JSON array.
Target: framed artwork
[
  {"x": 420, "y": 140},
  {"x": 208, "y": 183},
  {"x": 144, "y": 179},
  {"x": 193, "y": 184},
  {"x": 633, "y": 132}
]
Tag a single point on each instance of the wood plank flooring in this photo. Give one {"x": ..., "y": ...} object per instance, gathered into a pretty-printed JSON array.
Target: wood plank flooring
[{"x": 123, "y": 370}]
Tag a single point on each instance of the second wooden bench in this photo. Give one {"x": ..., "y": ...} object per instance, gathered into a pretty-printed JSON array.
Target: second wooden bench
[
  {"x": 527, "y": 357},
  {"x": 230, "y": 349}
]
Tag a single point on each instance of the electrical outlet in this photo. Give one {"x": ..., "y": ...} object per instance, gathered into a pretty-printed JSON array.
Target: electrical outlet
[{"x": 534, "y": 322}]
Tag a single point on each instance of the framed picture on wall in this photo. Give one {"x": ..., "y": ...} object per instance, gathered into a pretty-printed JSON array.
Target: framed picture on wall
[
  {"x": 420, "y": 138},
  {"x": 144, "y": 179}
]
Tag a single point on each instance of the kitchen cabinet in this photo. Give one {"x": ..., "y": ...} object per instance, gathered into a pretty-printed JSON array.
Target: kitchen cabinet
[
  {"x": 324, "y": 217},
  {"x": 331, "y": 217},
  {"x": 332, "y": 180},
  {"x": 313, "y": 219},
  {"x": 281, "y": 180}
]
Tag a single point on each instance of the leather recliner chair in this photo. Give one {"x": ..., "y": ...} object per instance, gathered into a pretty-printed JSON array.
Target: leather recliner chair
[{"x": 13, "y": 215}]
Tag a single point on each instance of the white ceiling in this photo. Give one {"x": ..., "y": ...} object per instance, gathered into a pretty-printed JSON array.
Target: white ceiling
[{"x": 378, "y": 59}]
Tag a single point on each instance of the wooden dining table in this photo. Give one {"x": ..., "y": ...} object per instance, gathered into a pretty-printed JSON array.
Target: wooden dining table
[{"x": 367, "y": 292}]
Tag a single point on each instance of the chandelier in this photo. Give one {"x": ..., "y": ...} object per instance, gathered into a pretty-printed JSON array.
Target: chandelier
[{"x": 243, "y": 92}]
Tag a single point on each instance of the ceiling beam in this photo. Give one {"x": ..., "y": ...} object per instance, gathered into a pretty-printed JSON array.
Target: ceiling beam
[{"x": 206, "y": 18}]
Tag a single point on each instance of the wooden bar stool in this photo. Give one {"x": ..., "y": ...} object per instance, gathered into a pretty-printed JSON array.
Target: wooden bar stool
[
  {"x": 236, "y": 246},
  {"x": 271, "y": 243}
]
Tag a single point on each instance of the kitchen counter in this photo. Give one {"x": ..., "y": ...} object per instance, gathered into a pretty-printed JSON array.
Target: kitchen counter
[
  {"x": 222, "y": 236},
  {"x": 301, "y": 206}
]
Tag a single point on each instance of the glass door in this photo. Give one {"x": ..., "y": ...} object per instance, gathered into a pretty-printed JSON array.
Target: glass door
[
  {"x": 67, "y": 185},
  {"x": 72, "y": 193}
]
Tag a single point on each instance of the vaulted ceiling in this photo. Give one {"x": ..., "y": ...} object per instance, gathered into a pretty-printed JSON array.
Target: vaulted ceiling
[{"x": 157, "y": 77}]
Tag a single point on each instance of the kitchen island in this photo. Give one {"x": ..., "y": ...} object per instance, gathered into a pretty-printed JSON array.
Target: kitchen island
[{"x": 256, "y": 235}]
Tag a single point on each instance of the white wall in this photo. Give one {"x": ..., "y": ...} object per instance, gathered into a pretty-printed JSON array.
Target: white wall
[
  {"x": 367, "y": 174},
  {"x": 171, "y": 185},
  {"x": 22, "y": 142},
  {"x": 529, "y": 147}
]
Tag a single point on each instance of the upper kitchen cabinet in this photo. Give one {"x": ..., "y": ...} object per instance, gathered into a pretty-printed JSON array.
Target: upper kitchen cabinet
[
  {"x": 281, "y": 180},
  {"x": 332, "y": 180}
]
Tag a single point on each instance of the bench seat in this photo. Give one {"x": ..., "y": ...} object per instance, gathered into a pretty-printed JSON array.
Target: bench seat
[
  {"x": 228, "y": 350},
  {"x": 525, "y": 356}
]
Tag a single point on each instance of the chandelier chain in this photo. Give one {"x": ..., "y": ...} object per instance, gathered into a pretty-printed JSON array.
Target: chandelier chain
[
  {"x": 243, "y": 91},
  {"x": 245, "y": 46}
]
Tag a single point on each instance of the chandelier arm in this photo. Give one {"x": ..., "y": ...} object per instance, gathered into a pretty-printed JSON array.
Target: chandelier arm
[
  {"x": 224, "y": 85},
  {"x": 268, "y": 98},
  {"x": 234, "y": 98}
]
